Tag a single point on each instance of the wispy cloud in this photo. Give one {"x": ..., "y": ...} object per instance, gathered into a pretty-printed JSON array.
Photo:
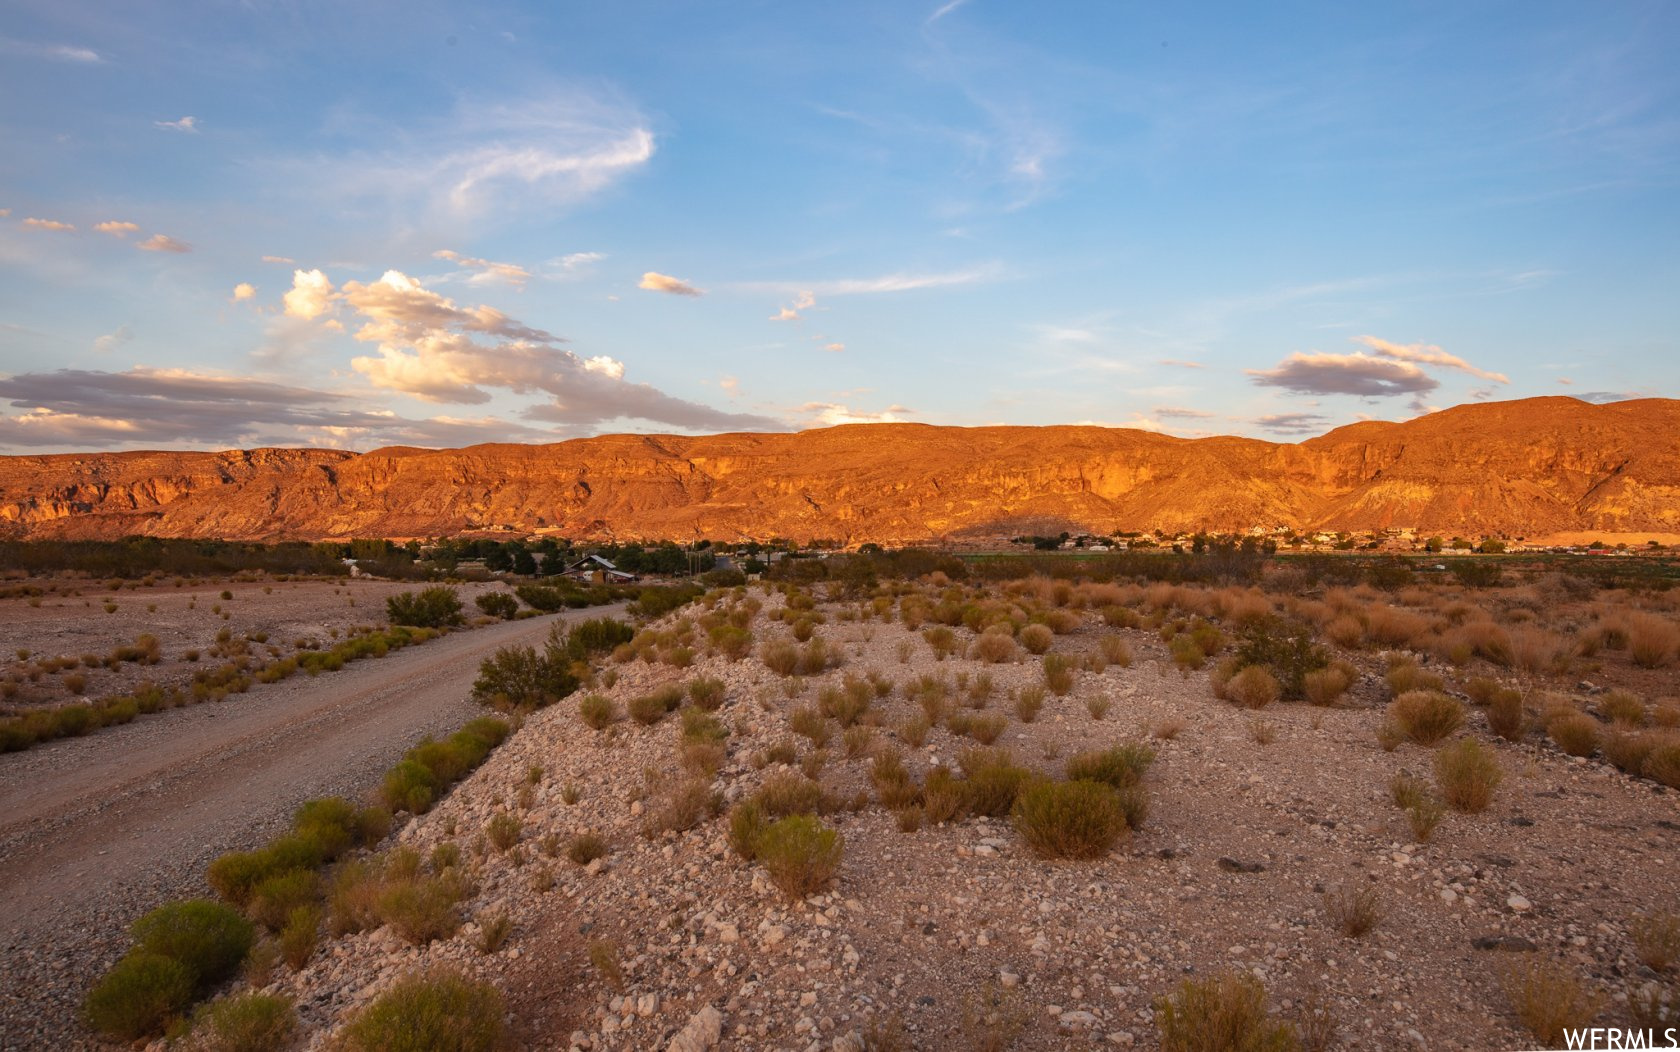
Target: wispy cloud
[
  {"x": 899, "y": 281},
  {"x": 163, "y": 243},
  {"x": 485, "y": 272},
  {"x": 834, "y": 348},
  {"x": 184, "y": 124},
  {"x": 1180, "y": 363},
  {"x": 1293, "y": 423},
  {"x": 114, "y": 339},
  {"x": 117, "y": 228},
  {"x": 945, "y": 9},
  {"x": 1181, "y": 413},
  {"x": 48, "y": 224},
  {"x": 804, "y": 301},
  {"x": 54, "y": 52},
  {"x": 653, "y": 281},
  {"x": 287, "y": 260},
  {"x": 1428, "y": 354}
]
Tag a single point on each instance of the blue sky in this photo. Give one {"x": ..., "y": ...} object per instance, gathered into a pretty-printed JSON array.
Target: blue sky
[{"x": 235, "y": 224}]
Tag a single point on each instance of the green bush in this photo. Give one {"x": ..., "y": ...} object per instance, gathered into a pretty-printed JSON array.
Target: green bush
[
  {"x": 519, "y": 677},
  {"x": 299, "y": 934},
  {"x": 1121, "y": 766},
  {"x": 1079, "y": 820},
  {"x": 140, "y": 996},
  {"x": 274, "y": 898},
  {"x": 656, "y": 602},
  {"x": 1225, "y": 1013},
  {"x": 438, "y": 1011},
  {"x": 432, "y": 607},
  {"x": 706, "y": 692},
  {"x": 498, "y": 604},
  {"x": 408, "y": 786},
  {"x": 236, "y": 874},
  {"x": 1287, "y": 649},
  {"x": 247, "y": 1022},
  {"x": 210, "y": 939},
  {"x": 992, "y": 781},
  {"x": 420, "y": 909},
  {"x": 800, "y": 854},
  {"x": 588, "y": 638}
]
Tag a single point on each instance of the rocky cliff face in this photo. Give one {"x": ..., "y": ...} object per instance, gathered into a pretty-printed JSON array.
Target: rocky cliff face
[{"x": 1521, "y": 468}]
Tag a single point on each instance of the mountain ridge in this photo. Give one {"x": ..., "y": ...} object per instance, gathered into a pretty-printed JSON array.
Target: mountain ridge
[{"x": 1525, "y": 467}]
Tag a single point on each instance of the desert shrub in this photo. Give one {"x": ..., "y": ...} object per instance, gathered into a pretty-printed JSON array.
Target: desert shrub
[
  {"x": 1505, "y": 714},
  {"x": 808, "y": 722},
  {"x": 245, "y": 1022},
  {"x": 498, "y": 604},
  {"x": 944, "y": 796},
  {"x": 1628, "y": 750},
  {"x": 1662, "y": 764},
  {"x": 1354, "y": 911},
  {"x": 746, "y": 822},
  {"x": 845, "y": 706},
  {"x": 432, "y": 607},
  {"x": 1119, "y": 767},
  {"x": 597, "y": 711},
  {"x": 706, "y": 692},
  {"x": 139, "y": 996},
  {"x": 1622, "y": 707},
  {"x": 587, "y": 639},
  {"x": 1115, "y": 651},
  {"x": 299, "y": 934},
  {"x": 1426, "y": 717},
  {"x": 1467, "y": 774},
  {"x": 786, "y": 793},
  {"x": 1404, "y": 676},
  {"x": 1652, "y": 640},
  {"x": 800, "y": 854},
  {"x": 503, "y": 830},
  {"x": 914, "y": 731},
  {"x": 236, "y": 874},
  {"x": 1253, "y": 688},
  {"x": 816, "y": 657},
  {"x": 780, "y": 657},
  {"x": 992, "y": 781},
  {"x": 651, "y": 708},
  {"x": 520, "y": 677},
  {"x": 1550, "y": 1000},
  {"x": 274, "y": 897},
  {"x": 1656, "y": 940},
  {"x": 1575, "y": 733},
  {"x": 1077, "y": 820},
  {"x": 1187, "y": 654},
  {"x": 210, "y": 939},
  {"x": 1028, "y": 703},
  {"x": 657, "y": 602},
  {"x": 420, "y": 909},
  {"x": 684, "y": 806},
  {"x": 1223, "y": 1013},
  {"x": 1326, "y": 686},
  {"x": 1037, "y": 638},
  {"x": 1058, "y": 673},
  {"x": 983, "y": 729},
  {"x": 436, "y": 1011},
  {"x": 1284, "y": 647},
  {"x": 995, "y": 647},
  {"x": 408, "y": 786},
  {"x": 1476, "y": 573}
]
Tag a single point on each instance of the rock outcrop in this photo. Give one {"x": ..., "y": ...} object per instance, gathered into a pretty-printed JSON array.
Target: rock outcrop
[{"x": 1521, "y": 468}]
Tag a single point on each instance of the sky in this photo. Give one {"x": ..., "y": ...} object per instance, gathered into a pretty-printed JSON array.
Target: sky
[{"x": 235, "y": 224}]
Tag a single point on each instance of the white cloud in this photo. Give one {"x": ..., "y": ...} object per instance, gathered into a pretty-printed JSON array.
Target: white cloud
[
  {"x": 185, "y": 124},
  {"x": 117, "y": 228},
  {"x": 653, "y": 281},
  {"x": 576, "y": 264},
  {"x": 804, "y": 301},
  {"x": 896, "y": 282},
  {"x": 163, "y": 243},
  {"x": 836, "y": 347},
  {"x": 1428, "y": 354},
  {"x": 833, "y": 414},
  {"x": 486, "y": 272},
  {"x": 731, "y": 385},
  {"x": 311, "y": 295},
  {"x": 244, "y": 290},
  {"x": 279, "y": 259},
  {"x": 1179, "y": 363},
  {"x": 112, "y": 340},
  {"x": 47, "y": 224}
]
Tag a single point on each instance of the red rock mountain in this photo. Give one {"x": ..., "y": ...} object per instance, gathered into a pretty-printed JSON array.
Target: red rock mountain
[{"x": 1520, "y": 468}]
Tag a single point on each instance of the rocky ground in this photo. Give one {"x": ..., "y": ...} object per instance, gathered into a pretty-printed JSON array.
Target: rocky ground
[{"x": 956, "y": 936}]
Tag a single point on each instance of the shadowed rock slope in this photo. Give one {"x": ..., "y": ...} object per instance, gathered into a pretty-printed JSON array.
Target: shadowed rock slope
[{"x": 1520, "y": 468}]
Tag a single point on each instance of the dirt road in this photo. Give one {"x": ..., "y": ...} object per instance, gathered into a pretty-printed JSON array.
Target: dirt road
[{"x": 96, "y": 830}]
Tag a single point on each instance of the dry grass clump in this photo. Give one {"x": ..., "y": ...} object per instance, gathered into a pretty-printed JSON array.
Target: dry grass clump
[
  {"x": 1119, "y": 767},
  {"x": 1037, "y": 638},
  {"x": 1393, "y": 627},
  {"x": 1224, "y": 1013},
  {"x": 597, "y": 711},
  {"x": 1656, "y": 940},
  {"x": 991, "y": 784},
  {"x": 1326, "y": 686},
  {"x": 1487, "y": 640},
  {"x": 587, "y": 847},
  {"x": 996, "y": 645},
  {"x": 892, "y": 781},
  {"x": 1534, "y": 649},
  {"x": 1627, "y": 750},
  {"x": 1253, "y": 688},
  {"x": 1354, "y": 911},
  {"x": 1405, "y": 676},
  {"x": 649, "y": 709},
  {"x": 1115, "y": 651},
  {"x": 1028, "y": 703},
  {"x": 1623, "y": 708},
  {"x": 808, "y": 722},
  {"x": 1073, "y": 820},
  {"x": 683, "y": 807},
  {"x": 1663, "y": 762},
  {"x": 1467, "y": 774},
  {"x": 1574, "y": 732},
  {"x": 1652, "y": 640},
  {"x": 1345, "y": 631},
  {"x": 1058, "y": 673},
  {"x": 785, "y": 793},
  {"x": 1550, "y": 999},
  {"x": 246, "y": 1022},
  {"x": 1506, "y": 715},
  {"x": 1426, "y": 717},
  {"x": 706, "y": 692}
]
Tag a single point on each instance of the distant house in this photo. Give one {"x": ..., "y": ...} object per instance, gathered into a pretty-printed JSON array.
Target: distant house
[{"x": 592, "y": 569}]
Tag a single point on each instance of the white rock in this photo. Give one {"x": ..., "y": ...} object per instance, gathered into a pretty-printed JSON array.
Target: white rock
[
  {"x": 728, "y": 933},
  {"x": 1519, "y": 904},
  {"x": 703, "y": 1030},
  {"x": 1077, "y": 1019}
]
